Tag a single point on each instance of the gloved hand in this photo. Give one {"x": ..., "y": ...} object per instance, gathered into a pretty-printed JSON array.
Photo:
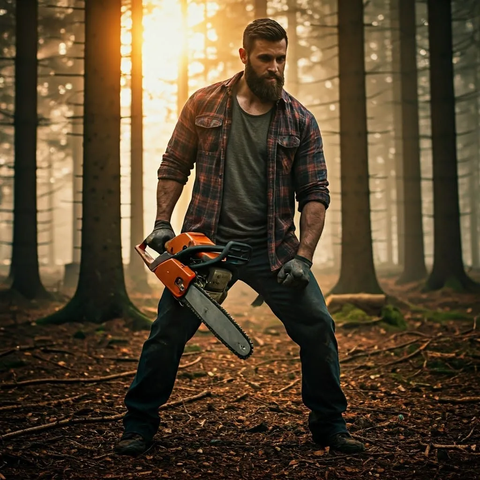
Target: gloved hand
[
  {"x": 295, "y": 273},
  {"x": 162, "y": 233}
]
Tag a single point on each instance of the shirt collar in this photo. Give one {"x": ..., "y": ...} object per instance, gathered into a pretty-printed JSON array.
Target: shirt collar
[{"x": 231, "y": 82}]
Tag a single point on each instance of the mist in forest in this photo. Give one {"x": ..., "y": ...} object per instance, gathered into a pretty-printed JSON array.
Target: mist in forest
[{"x": 190, "y": 44}]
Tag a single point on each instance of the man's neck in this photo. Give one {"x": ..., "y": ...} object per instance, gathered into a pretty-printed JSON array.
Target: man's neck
[{"x": 249, "y": 102}]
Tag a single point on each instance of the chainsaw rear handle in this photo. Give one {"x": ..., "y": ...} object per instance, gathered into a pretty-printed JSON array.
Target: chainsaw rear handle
[{"x": 234, "y": 254}]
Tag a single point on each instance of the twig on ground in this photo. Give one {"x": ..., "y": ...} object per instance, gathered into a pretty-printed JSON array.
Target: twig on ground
[
  {"x": 51, "y": 362},
  {"x": 276, "y": 359},
  {"x": 23, "y": 348},
  {"x": 376, "y": 352},
  {"x": 290, "y": 385},
  {"x": 452, "y": 447},
  {"x": 42, "y": 404},
  {"x": 185, "y": 365},
  {"x": 474, "y": 399},
  {"x": 109, "y": 418},
  {"x": 117, "y": 359},
  {"x": 240, "y": 397},
  {"x": 408, "y": 357},
  {"x": 39, "y": 381}
]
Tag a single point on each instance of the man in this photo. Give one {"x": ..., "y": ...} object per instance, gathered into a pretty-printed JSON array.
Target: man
[{"x": 254, "y": 147}]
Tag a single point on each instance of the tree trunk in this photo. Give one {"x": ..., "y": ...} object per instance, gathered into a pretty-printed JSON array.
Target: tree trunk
[
  {"x": 72, "y": 269},
  {"x": 182, "y": 81},
  {"x": 292, "y": 64},
  {"x": 448, "y": 269},
  {"x": 260, "y": 8},
  {"x": 182, "y": 97},
  {"x": 136, "y": 270},
  {"x": 101, "y": 293},
  {"x": 357, "y": 273},
  {"x": 475, "y": 161},
  {"x": 414, "y": 265},
  {"x": 397, "y": 128},
  {"x": 24, "y": 270}
]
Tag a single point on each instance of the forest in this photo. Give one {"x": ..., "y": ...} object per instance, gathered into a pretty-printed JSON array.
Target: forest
[{"x": 90, "y": 92}]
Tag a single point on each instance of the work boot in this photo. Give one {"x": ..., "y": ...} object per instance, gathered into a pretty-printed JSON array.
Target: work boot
[
  {"x": 344, "y": 443},
  {"x": 132, "y": 444}
]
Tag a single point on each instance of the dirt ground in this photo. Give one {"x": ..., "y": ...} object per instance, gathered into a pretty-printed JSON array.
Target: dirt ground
[{"x": 413, "y": 397}]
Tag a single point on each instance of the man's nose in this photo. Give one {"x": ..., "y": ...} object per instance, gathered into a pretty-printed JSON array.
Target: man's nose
[{"x": 273, "y": 66}]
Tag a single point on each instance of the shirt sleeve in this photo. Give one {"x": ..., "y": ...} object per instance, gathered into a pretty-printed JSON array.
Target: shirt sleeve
[
  {"x": 181, "y": 151},
  {"x": 310, "y": 170}
]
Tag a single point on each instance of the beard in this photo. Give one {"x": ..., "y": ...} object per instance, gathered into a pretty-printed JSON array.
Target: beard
[{"x": 260, "y": 85}]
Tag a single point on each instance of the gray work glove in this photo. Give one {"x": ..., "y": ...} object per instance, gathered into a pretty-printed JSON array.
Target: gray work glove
[
  {"x": 162, "y": 233},
  {"x": 295, "y": 273}
]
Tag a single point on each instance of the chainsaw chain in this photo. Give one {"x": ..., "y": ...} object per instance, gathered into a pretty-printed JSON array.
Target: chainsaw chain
[{"x": 237, "y": 326}]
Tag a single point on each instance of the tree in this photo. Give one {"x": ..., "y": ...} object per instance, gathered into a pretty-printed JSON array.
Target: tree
[
  {"x": 357, "y": 273},
  {"x": 292, "y": 65},
  {"x": 414, "y": 255},
  {"x": 136, "y": 266},
  {"x": 397, "y": 128},
  {"x": 24, "y": 270},
  {"x": 448, "y": 269},
  {"x": 101, "y": 294}
]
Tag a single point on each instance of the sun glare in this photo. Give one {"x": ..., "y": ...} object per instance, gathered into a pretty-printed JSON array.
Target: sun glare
[
  {"x": 162, "y": 50},
  {"x": 163, "y": 37}
]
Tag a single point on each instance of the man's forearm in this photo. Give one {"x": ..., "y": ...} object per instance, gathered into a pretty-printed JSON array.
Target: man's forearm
[
  {"x": 168, "y": 193},
  {"x": 312, "y": 221}
]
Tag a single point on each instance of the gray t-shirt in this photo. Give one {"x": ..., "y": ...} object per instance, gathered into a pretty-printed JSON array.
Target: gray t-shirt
[{"x": 243, "y": 214}]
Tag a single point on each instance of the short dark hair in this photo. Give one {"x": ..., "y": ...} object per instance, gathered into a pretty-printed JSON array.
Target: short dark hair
[{"x": 264, "y": 29}]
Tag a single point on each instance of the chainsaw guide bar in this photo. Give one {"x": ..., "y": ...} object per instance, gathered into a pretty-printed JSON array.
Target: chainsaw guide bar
[{"x": 229, "y": 333}]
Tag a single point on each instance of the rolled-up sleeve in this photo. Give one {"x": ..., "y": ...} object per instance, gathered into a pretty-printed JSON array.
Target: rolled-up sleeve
[
  {"x": 181, "y": 151},
  {"x": 310, "y": 170}
]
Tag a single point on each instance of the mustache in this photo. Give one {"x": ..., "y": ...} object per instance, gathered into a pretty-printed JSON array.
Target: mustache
[{"x": 273, "y": 75}]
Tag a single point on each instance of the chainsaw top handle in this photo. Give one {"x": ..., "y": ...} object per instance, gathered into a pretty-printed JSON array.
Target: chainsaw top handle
[{"x": 234, "y": 253}]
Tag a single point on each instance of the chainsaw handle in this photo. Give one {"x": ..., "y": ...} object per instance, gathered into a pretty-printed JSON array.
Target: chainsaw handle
[
  {"x": 146, "y": 257},
  {"x": 235, "y": 254},
  {"x": 150, "y": 262}
]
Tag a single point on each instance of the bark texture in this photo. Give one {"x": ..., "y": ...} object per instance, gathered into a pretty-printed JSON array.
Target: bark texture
[
  {"x": 414, "y": 261},
  {"x": 448, "y": 269},
  {"x": 357, "y": 272},
  {"x": 101, "y": 294},
  {"x": 136, "y": 269},
  {"x": 24, "y": 271}
]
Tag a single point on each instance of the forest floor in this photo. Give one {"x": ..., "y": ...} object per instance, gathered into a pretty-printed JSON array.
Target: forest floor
[{"x": 414, "y": 397}]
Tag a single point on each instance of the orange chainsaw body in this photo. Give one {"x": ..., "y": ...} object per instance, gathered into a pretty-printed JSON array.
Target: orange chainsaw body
[
  {"x": 187, "y": 240},
  {"x": 172, "y": 273}
]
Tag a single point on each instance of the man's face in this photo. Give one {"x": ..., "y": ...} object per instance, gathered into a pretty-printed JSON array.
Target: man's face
[{"x": 264, "y": 67}]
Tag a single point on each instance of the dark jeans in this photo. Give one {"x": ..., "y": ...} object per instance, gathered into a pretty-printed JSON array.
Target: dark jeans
[{"x": 306, "y": 321}]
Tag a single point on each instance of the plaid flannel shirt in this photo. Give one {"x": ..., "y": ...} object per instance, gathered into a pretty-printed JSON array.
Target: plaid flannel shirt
[{"x": 295, "y": 165}]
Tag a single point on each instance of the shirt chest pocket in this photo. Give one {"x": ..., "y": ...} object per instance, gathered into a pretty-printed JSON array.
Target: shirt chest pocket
[
  {"x": 209, "y": 132},
  {"x": 287, "y": 146}
]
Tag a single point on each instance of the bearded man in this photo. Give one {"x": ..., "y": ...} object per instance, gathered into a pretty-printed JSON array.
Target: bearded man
[{"x": 255, "y": 148}]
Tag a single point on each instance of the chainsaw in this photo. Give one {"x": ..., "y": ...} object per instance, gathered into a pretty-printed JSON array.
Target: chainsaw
[{"x": 198, "y": 274}]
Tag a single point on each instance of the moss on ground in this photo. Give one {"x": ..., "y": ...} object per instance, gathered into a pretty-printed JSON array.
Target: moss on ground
[
  {"x": 391, "y": 317},
  {"x": 351, "y": 314},
  {"x": 440, "y": 316}
]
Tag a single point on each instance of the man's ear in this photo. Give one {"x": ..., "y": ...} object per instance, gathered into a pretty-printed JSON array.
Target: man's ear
[{"x": 243, "y": 55}]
